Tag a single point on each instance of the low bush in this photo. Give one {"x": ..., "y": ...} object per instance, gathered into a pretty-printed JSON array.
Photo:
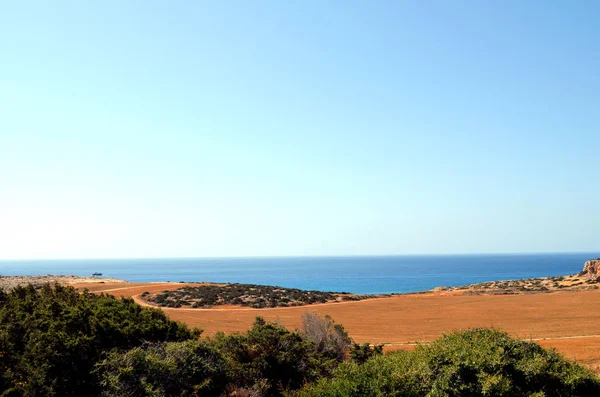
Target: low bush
[
  {"x": 330, "y": 339},
  {"x": 469, "y": 363},
  {"x": 176, "y": 369},
  {"x": 360, "y": 353},
  {"x": 269, "y": 358},
  {"x": 50, "y": 339}
]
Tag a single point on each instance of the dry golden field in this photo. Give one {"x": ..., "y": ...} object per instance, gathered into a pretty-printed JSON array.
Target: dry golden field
[{"x": 568, "y": 321}]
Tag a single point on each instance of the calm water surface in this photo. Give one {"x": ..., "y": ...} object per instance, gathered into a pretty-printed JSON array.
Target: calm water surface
[{"x": 358, "y": 274}]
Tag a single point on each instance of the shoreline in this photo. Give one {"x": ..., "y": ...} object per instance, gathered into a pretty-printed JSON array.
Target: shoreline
[
  {"x": 573, "y": 282},
  {"x": 587, "y": 279},
  {"x": 366, "y": 274}
]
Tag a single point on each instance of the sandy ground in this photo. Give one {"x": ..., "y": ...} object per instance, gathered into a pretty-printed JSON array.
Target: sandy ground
[
  {"x": 568, "y": 321},
  {"x": 10, "y": 282}
]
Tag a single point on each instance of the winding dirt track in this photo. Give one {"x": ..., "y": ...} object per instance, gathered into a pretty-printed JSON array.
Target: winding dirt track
[{"x": 567, "y": 321}]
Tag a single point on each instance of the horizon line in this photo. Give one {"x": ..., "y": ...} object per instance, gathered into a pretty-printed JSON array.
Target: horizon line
[{"x": 298, "y": 256}]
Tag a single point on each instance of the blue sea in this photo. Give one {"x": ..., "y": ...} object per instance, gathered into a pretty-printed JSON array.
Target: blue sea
[{"x": 357, "y": 274}]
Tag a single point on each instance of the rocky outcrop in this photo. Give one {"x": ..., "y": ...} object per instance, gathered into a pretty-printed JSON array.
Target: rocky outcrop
[{"x": 591, "y": 268}]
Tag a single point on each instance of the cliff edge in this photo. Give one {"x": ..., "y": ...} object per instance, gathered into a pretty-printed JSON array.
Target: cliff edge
[{"x": 591, "y": 268}]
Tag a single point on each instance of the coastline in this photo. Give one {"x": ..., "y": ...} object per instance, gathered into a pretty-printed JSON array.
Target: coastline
[
  {"x": 359, "y": 275},
  {"x": 583, "y": 280}
]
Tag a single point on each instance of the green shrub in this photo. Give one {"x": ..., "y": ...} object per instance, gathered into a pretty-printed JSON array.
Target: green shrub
[
  {"x": 176, "y": 369},
  {"x": 361, "y": 353},
  {"x": 271, "y": 355},
  {"x": 50, "y": 339},
  {"x": 469, "y": 363}
]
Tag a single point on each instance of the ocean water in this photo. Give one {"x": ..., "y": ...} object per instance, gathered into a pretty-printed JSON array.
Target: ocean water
[{"x": 357, "y": 274}]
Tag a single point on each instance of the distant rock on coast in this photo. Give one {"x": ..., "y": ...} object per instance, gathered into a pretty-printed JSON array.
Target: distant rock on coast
[
  {"x": 591, "y": 268},
  {"x": 587, "y": 279}
]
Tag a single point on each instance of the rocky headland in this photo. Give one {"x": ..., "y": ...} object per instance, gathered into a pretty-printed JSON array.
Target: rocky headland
[
  {"x": 587, "y": 279},
  {"x": 591, "y": 269}
]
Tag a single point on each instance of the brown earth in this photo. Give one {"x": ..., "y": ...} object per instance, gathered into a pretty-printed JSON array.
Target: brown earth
[
  {"x": 9, "y": 282},
  {"x": 127, "y": 289},
  {"x": 568, "y": 320}
]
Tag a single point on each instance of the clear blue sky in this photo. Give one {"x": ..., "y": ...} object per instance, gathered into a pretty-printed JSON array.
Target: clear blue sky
[{"x": 215, "y": 128}]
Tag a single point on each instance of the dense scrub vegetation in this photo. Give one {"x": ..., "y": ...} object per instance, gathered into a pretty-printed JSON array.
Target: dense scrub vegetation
[
  {"x": 470, "y": 363},
  {"x": 265, "y": 361},
  {"x": 257, "y": 296},
  {"x": 50, "y": 339},
  {"x": 57, "y": 342},
  {"x": 188, "y": 368}
]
